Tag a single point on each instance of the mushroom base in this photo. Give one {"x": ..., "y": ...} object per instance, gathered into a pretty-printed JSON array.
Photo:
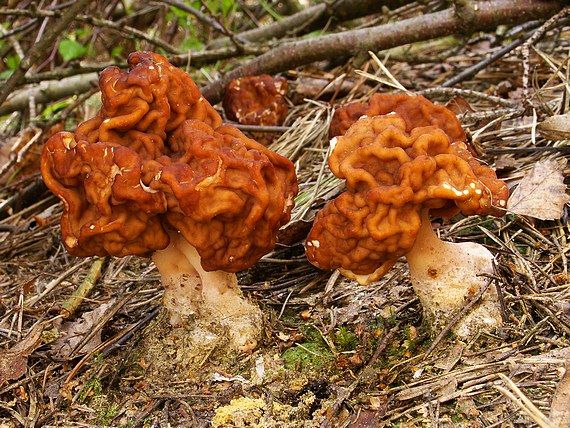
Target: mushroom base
[
  {"x": 175, "y": 357},
  {"x": 446, "y": 275},
  {"x": 207, "y": 301}
]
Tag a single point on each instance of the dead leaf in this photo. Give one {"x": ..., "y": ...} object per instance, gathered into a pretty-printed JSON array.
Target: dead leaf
[
  {"x": 541, "y": 193},
  {"x": 72, "y": 333},
  {"x": 13, "y": 361},
  {"x": 459, "y": 105},
  {"x": 447, "y": 362},
  {"x": 367, "y": 419},
  {"x": 555, "y": 127},
  {"x": 560, "y": 410},
  {"x": 295, "y": 231}
]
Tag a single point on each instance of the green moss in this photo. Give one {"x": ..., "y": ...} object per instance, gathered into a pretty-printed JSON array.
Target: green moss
[
  {"x": 307, "y": 355},
  {"x": 345, "y": 340},
  {"x": 106, "y": 413}
]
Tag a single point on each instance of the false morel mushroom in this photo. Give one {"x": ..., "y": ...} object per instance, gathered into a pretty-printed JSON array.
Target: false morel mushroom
[
  {"x": 257, "y": 100},
  {"x": 155, "y": 172},
  {"x": 397, "y": 174}
]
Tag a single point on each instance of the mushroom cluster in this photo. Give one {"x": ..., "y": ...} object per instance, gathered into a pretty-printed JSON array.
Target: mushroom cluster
[
  {"x": 156, "y": 172},
  {"x": 400, "y": 167}
]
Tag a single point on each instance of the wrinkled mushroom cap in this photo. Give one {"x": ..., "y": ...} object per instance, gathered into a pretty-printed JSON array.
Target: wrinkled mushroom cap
[
  {"x": 227, "y": 194},
  {"x": 156, "y": 157},
  {"x": 106, "y": 209},
  {"x": 392, "y": 174},
  {"x": 415, "y": 110},
  {"x": 256, "y": 100}
]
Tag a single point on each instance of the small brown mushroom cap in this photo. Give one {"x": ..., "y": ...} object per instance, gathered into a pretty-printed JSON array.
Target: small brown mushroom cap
[
  {"x": 415, "y": 110},
  {"x": 392, "y": 175},
  {"x": 256, "y": 100},
  {"x": 156, "y": 157}
]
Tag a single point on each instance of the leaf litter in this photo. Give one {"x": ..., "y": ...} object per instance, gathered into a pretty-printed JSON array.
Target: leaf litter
[{"x": 337, "y": 354}]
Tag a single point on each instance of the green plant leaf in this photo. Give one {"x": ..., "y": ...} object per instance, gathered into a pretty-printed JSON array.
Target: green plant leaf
[
  {"x": 13, "y": 61},
  {"x": 71, "y": 49},
  {"x": 117, "y": 51},
  {"x": 227, "y": 6}
]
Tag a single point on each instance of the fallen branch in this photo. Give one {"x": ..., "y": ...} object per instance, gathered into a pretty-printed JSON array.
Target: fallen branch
[
  {"x": 488, "y": 15},
  {"x": 311, "y": 18},
  {"x": 48, "y": 91}
]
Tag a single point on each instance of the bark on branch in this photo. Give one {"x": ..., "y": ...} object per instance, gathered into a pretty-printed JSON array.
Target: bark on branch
[
  {"x": 48, "y": 91},
  {"x": 313, "y": 17},
  {"x": 487, "y": 15}
]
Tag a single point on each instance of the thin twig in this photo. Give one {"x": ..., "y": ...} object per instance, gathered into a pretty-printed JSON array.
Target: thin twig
[{"x": 523, "y": 403}]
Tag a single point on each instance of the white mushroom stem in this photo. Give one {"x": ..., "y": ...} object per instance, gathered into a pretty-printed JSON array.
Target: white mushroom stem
[
  {"x": 446, "y": 275},
  {"x": 206, "y": 298}
]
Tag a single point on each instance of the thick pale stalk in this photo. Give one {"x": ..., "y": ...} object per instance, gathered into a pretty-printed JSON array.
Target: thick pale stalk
[
  {"x": 446, "y": 275},
  {"x": 206, "y": 298}
]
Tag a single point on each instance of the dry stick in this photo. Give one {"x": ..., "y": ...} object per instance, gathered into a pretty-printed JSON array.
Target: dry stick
[
  {"x": 312, "y": 17},
  {"x": 535, "y": 36},
  {"x": 294, "y": 54},
  {"x": 279, "y": 29},
  {"x": 521, "y": 400},
  {"x": 103, "y": 320},
  {"x": 18, "y": 156},
  {"x": 125, "y": 336},
  {"x": 38, "y": 49},
  {"x": 470, "y": 93},
  {"x": 121, "y": 28},
  {"x": 495, "y": 56},
  {"x": 69, "y": 307},
  {"x": 48, "y": 91},
  {"x": 139, "y": 421},
  {"x": 202, "y": 17},
  {"x": 54, "y": 283},
  {"x": 59, "y": 74},
  {"x": 105, "y": 348},
  {"x": 236, "y": 40},
  {"x": 20, "y": 29},
  {"x": 130, "y": 32}
]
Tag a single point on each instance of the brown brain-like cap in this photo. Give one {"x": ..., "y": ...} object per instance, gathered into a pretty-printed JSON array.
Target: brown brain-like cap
[
  {"x": 392, "y": 174},
  {"x": 106, "y": 208},
  {"x": 227, "y": 194},
  {"x": 156, "y": 158},
  {"x": 256, "y": 100},
  {"x": 144, "y": 104},
  {"x": 415, "y": 110}
]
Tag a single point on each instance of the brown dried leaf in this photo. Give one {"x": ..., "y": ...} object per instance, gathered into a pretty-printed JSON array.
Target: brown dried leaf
[
  {"x": 367, "y": 419},
  {"x": 73, "y": 332},
  {"x": 13, "y": 361},
  {"x": 295, "y": 231},
  {"x": 560, "y": 409},
  {"x": 541, "y": 193},
  {"x": 555, "y": 127}
]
